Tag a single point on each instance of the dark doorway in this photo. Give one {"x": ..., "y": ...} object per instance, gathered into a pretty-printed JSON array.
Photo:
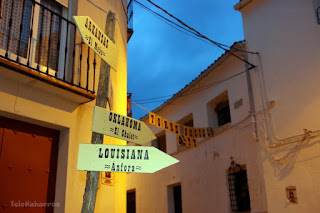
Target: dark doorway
[
  {"x": 177, "y": 199},
  {"x": 131, "y": 202}
]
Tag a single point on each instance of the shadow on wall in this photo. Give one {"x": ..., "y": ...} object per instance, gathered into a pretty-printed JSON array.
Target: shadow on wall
[
  {"x": 285, "y": 158},
  {"x": 28, "y": 88}
]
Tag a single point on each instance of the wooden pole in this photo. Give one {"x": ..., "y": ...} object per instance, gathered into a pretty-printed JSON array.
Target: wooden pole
[{"x": 90, "y": 194}]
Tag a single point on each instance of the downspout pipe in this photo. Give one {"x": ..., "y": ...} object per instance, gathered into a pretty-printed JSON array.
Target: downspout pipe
[{"x": 251, "y": 99}]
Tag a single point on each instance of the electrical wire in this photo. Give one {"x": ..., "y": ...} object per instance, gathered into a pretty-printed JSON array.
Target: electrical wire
[
  {"x": 203, "y": 36},
  {"x": 193, "y": 34},
  {"x": 173, "y": 24},
  {"x": 191, "y": 91}
]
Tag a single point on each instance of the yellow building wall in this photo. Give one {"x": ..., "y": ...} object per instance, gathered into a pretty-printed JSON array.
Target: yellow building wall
[
  {"x": 31, "y": 101},
  {"x": 109, "y": 198}
]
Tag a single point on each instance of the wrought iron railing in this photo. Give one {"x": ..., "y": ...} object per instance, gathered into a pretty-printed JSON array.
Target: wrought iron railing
[{"x": 39, "y": 37}]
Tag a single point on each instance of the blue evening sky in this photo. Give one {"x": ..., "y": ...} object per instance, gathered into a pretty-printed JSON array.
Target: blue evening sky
[{"x": 162, "y": 60}]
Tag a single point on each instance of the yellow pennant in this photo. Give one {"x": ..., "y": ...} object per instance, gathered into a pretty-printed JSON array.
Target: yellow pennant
[
  {"x": 187, "y": 141},
  {"x": 152, "y": 118}
]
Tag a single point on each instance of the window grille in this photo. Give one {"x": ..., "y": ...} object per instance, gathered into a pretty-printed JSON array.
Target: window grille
[{"x": 238, "y": 188}]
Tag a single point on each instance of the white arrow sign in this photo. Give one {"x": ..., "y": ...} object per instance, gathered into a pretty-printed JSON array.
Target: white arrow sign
[
  {"x": 115, "y": 125},
  {"x": 112, "y": 158}
]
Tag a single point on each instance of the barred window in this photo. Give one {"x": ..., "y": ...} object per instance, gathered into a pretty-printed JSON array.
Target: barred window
[
  {"x": 18, "y": 42},
  {"x": 238, "y": 188},
  {"x": 48, "y": 27}
]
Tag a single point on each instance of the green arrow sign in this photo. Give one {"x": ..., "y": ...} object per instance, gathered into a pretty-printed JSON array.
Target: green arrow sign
[
  {"x": 112, "y": 158},
  {"x": 115, "y": 125}
]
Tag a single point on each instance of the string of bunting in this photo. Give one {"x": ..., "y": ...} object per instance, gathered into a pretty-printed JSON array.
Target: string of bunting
[{"x": 186, "y": 136}]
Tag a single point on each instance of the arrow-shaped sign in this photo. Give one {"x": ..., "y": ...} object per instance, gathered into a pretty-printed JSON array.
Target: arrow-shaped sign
[
  {"x": 112, "y": 158},
  {"x": 97, "y": 40},
  {"x": 115, "y": 125}
]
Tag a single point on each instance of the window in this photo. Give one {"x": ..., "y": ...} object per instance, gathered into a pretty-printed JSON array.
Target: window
[
  {"x": 131, "y": 201},
  {"x": 18, "y": 9},
  {"x": 160, "y": 142},
  {"x": 41, "y": 19},
  {"x": 238, "y": 188},
  {"x": 174, "y": 199},
  {"x": 219, "y": 111},
  {"x": 48, "y": 31},
  {"x": 223, "y": 113}
]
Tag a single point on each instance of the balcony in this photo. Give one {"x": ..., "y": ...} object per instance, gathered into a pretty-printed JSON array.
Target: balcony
[
  {"x": 38, "y": 42},
  {"x": 130, "y": 20}
]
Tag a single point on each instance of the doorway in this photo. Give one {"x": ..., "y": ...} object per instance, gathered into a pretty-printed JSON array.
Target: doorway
[{"x": 28, "y": 167}]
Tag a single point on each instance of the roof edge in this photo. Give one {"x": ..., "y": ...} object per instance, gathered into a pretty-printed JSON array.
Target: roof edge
[
  {"x": 242, "y": 4},
  {"x": 203, "y": 74}
]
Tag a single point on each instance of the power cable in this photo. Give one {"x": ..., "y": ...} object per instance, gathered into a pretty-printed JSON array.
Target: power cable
[
  {"x": 207, "y": 86},
  {"x": 171, "y": 23},
  {"x": 186, "y": 29},
  {"x": 203, "y": 36}
]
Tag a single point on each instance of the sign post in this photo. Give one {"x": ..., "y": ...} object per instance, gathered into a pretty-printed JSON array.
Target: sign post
[
  {"x": 90, "y": 194},
  {"x": 115, "y": 125},
  {"x": 113, "y": 158}
]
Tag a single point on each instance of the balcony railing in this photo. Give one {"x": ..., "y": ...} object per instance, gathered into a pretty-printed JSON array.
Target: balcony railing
[{"x": 39, "y": 37}]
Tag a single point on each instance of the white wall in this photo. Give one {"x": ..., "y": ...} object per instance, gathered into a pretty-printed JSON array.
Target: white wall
[
  {"x": 202, "y": 172},
  {"x": 286, "y": 35}
]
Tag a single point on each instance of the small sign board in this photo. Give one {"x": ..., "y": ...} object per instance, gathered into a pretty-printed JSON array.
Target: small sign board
[
  {"x": 113, "y": 158},
  {"x": 97, "y": 40},
  {"x": 119, "y": 126}
]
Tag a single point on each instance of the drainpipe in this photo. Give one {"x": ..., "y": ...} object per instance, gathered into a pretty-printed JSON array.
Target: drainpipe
[{"x": 251, "y": 99}]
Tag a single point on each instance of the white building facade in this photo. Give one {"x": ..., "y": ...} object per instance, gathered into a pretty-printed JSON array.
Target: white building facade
[
  {"x": 201, "y": 176},
  {"x": 272, "y": 131}
]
